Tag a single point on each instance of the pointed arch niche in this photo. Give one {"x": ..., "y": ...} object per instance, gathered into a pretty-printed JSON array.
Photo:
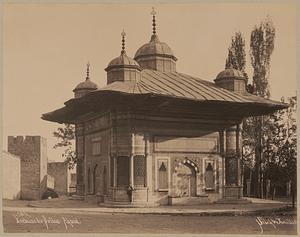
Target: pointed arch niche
[{"x": 186, "y": 179}]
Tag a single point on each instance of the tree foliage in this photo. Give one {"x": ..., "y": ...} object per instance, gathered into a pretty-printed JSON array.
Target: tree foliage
[
  {"x": 65, "y": 136},
  {"x": 261, "y": 48},
  {"x": 236, "y": 53},
  {"x": 281, "y": 150}
]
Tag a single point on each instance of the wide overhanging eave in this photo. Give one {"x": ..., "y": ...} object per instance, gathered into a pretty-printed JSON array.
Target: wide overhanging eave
[{"x": 77, "y": 107}]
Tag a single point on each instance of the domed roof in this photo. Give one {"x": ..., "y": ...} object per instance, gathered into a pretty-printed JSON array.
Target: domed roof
[
  {"x": 123, "y": 61},
  {"x": 230, "y": 73},
  {"x": 87, "y": 84},
  {"x": 155, "y": 47}
]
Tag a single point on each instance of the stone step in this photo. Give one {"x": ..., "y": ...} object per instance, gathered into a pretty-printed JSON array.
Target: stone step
[
  {"x": 188, "y": 201},
  {"x": 76, "y": 197},
  {"x": 127, "y": 204},
  {"x": 233, "y": 201}
]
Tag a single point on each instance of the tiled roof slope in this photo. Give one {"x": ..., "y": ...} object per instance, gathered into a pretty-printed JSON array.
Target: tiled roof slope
[
  {"x": 179, "y": 85},
  {"x": 172, "y": 85}
]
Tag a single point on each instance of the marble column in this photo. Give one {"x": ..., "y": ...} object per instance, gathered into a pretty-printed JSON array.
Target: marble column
[
  {"x": 80, "y": 159},
  {"x": 115, "y": 171},
  {"x": 147, "y": 150},
  {"x": 239, "y": 152},
  {"x": 222, "y": 134},
  {"x": 131, "y": 166},
  {"x": 230, "y": 157},
  {"x": 131, "y": 171},
  {"x": 233, "y": 188}
]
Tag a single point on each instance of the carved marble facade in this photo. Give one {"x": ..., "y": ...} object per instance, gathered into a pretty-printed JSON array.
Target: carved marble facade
[{"x": 114, "y": 151}]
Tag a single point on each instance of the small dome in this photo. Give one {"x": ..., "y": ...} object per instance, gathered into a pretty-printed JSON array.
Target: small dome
[
  {"x": 123, "y": 61},
  {"x": 155, "y": 47},
  {"x": 231, "y": 79},
  {"x": 86, "y": 85},
  {"x": 230, "y": 73}
]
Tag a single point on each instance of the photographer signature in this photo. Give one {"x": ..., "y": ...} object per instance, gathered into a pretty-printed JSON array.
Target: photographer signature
[
  {"x": 274, "y": 221},
  {"x": 25, "y": 218}
]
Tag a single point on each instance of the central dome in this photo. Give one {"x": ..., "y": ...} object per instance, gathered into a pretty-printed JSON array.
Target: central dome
[
  {"x": 156, "y": 55},
  {"x": 155, "y": 47}
]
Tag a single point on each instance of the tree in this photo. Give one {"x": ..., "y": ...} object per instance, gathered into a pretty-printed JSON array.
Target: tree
[
  {"x": 261, "y": 48},
  {"x": 282, "y": 147},
  {"x": 65, "y": 136}
]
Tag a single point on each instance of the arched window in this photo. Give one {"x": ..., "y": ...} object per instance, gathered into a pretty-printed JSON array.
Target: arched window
[
  {"x": 162, "y": 174},
  {"x": 209, "y": 176}
]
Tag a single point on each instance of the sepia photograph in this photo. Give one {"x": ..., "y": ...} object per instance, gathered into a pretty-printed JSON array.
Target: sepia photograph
[{"x": 149, "y": 117}]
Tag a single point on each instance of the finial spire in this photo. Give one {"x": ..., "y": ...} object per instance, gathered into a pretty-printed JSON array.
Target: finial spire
[
  {"x": 153, "y": 13},
  {"x": 88, "y": 71},
  {"x": 123, "y": 34}
]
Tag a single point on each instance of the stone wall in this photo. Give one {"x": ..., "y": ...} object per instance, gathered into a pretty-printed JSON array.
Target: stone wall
[
  {"x": 182, "y": 146},
  {"x": 73, "y": 186},
  {"x": 158, "y": 150},
  {"x": 50, "y": 182},
  {"x": 32, "y": 151},
  {"x": 97, "y": 162},
  {"x": 62, "y": 176},
  {"x": 11, "y": 176}
]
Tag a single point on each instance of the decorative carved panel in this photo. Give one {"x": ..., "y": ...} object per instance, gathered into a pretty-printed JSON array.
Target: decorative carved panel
[
  {"x": 139, "y": 170},
  {"x": 231, "y": 170},
  {"x": 139, "y": 144},
  {"x": 97, "y": 124}
]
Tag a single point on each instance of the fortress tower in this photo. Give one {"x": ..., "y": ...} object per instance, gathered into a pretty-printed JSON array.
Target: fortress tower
[{"x": 32, "y": 151}]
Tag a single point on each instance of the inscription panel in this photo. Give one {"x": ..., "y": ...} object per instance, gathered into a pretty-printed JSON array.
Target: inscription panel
[{"x": 186, "y": 144}]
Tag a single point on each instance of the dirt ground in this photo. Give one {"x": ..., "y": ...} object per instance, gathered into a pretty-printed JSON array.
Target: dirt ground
[{"x": 138, "y": 223}]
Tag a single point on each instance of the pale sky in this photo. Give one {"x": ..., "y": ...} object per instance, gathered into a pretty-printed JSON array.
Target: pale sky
[{"x": 46, "y": 48}]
